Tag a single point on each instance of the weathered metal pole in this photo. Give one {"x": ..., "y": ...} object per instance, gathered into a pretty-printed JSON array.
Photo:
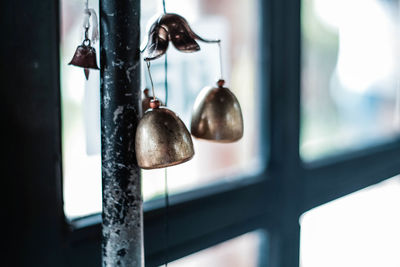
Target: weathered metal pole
[{"x": 120, "y": 112}]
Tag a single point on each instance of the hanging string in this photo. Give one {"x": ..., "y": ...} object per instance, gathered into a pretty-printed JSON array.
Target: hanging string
[
  {"x": 166, "y": 216},
  {"x": 166, "y": 79},
  {"x": 165, "y": 170},
  {"x": 95, "y": 25},
  {"x": 151, "y": 79},
  {"x": 163, "y": 4},
  {"x": 90, "y": 12},
  {"x": 86, "y": 19}
]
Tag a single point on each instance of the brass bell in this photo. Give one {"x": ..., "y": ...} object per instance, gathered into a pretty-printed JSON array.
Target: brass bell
[
  {"x": 85, "y": 57},
  {"x": 162, "y": 139},
  {"x": 217, "y": 115}
]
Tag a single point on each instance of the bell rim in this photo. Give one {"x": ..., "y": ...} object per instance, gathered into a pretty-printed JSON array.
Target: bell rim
[
  {"x": 97, "y": 68},
  {"x": 166, "y": 165},
  {"x": 219, "y": 141}
]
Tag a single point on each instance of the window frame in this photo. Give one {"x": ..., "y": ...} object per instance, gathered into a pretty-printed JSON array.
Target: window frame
[{"x": 272, "y": 201}]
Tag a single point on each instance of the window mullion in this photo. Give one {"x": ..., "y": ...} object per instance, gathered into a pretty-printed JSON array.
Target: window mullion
[{"x": 328, "y": 180}]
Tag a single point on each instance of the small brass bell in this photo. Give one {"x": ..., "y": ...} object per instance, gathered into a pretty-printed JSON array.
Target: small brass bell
[
  {"x": 85, "y": 57},
  {"x": 162, "y": 139},
  {"x": 217, "y": 115}
]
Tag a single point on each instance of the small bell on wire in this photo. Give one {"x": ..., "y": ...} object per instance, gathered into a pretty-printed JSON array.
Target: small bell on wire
[
  {"x": 85, "y": 57},
  {"x": 217, "y": 115},
  {"x": 85, "y": 54},
  {"x": 162, "y": 139}
]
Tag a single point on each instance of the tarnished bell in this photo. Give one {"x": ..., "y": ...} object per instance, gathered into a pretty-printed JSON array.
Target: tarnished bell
[
  {"x": 217, "y": 115},
  {"x": 85, "y": 57},
  {"x": 162, "y": 139}
]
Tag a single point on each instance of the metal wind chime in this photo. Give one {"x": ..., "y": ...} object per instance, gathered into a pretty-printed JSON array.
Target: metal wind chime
[{"x": 162, "y": 139}]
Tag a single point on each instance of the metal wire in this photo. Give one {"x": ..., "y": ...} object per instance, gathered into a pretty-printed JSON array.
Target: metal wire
[
  {"x": 166, "y": 79},
  {"x": 151, "y": 79},
  {"x": 220, "y": 59}
]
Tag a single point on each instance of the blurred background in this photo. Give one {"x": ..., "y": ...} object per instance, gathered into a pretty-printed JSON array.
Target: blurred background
[
  {"x": 350, "y": 100},
  {"x": 350, "y": 75}
]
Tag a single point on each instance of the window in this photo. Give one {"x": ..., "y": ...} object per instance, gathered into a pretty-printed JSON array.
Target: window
[
  {"x": 350, "y": 84},
  {"x": 200, "y": 217},
  {"x": 360, "y": 229},
  {"x": 242, "y": 251}
]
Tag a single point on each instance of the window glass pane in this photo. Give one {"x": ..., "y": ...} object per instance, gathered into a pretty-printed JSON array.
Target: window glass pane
[
  {"x": 243, "y": 251},
  {"x": 350, "y": 75},
  {"x": 80, "y": 118},
  {"x": 236, "y": 24},
  {"x": 361, "y": 229},
  {"x": 232, "y": 21}
]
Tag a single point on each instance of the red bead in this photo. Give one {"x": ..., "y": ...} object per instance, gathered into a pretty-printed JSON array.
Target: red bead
[
  {"x": 220, "y": 83},
  {"x": 154, "y": 103}
]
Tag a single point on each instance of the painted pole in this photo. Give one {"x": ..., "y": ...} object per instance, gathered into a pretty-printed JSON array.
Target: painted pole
[{"x": 122, "y": 215}]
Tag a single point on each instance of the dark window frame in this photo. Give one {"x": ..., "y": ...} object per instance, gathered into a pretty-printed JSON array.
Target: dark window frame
[{"x": 272, "y": 201}]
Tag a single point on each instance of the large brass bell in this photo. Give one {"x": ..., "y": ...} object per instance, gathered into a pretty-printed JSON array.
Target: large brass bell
[
  {"x": 85, "y": 57},
  {"x": 217, "y": 115},
  {"x": 162, "y": 139}
]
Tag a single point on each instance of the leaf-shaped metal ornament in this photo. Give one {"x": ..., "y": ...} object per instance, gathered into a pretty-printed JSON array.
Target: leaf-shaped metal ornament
[
  {"x": 157, "y": 42},
  {"x": 171, "y": 27}
]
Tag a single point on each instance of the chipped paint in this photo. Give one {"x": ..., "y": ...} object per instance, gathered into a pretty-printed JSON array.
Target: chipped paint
[{"x": 120, "y": 112}]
